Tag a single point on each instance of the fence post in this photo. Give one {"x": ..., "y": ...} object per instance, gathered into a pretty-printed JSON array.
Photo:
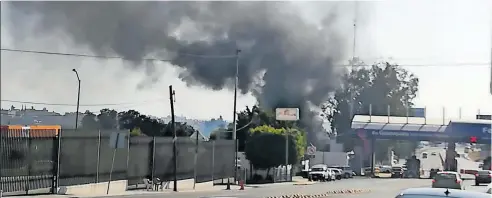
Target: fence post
[
  {"x": 98, "y": 155},
  {"x": 29, "y": 159},
  {"x": 152, "y": 167},
  {"x": 56, "y": 161},
  {"x": 213, "y": 162}
]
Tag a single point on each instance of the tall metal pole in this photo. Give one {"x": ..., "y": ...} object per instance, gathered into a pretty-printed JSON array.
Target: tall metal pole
[
  {"x": 234, "y": 121},
  {"x": 352, "y": 94},
  {"x": 78, "y": 101},
  {"x": 173, "y": 129}
]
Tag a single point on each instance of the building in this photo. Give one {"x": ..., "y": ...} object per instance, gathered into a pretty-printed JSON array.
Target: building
[{"x": 31, "y": 116}]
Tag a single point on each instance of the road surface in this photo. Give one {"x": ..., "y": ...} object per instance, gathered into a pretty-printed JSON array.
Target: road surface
[{"x": 380, "y": 188}]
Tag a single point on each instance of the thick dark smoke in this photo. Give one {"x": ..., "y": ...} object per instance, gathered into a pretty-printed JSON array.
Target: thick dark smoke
[{"x": 293, "y": 59}]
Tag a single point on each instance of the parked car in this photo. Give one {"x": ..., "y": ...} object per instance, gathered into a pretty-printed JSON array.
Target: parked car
[
  {"x": 448, "y": 179},
  {"x": 396, "y": 172},
  {"x": 320, "y": 172},
  {"x": 338, "y": 173},
  {"x": 347, "y": 172},
  {"x": 483, "y": 176},
  {"x": 439, "y": 193}
]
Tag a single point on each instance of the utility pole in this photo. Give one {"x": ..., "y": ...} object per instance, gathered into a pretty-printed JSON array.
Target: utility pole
[
  {"x": 234, "y": 119},
  {"x": 175, "y": 138},
  {"x": 234, "y": 122},
  {"x": 78, "y": 100}
]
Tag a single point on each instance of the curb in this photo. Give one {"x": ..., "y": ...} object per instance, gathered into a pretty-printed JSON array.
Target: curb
[
  {"x": 304, "y": 184},
  {"x": 332, "y": 192}
]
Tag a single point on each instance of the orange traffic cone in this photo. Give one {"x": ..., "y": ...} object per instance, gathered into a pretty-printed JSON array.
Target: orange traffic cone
[{"x": 241, "y": 185}]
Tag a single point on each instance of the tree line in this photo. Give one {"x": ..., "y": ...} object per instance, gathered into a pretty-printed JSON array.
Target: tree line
[{"x": 137, "y": 123}]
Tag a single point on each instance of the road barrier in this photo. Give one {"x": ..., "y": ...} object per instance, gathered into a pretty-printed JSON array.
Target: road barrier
[{"x": 346, "y": 191}]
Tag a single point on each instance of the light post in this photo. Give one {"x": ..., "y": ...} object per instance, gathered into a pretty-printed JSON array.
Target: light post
[{"x": 78, "y": 100}]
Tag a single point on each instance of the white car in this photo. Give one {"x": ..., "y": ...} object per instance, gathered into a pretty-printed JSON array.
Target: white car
[
  {"x": 320, "y": 172},
  {"x": 448, "y": 179},
  {"x": 347, "y": 172},
  {"x": 336, "y": 174}
]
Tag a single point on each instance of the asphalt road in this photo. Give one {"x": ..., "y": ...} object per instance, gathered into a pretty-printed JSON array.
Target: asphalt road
[{"x": 379, "y": 188}]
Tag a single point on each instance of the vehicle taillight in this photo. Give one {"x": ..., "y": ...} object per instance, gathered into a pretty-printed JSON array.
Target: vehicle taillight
[
  {"x": 433, "y": 181},
  {"x": 476, "y": 175},
  {"x": 490, "y": 176},
  {"x": 458, "y": 181}
]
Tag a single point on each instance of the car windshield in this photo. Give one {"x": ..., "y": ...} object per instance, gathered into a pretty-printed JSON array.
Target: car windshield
[
  {"x": 486, "y": 172},
  {"x": 445, "y": 176},
  {"x": 317, "y": 169}
]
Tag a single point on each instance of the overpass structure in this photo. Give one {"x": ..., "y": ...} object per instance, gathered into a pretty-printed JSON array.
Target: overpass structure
[{"x": 369, "y": 128}]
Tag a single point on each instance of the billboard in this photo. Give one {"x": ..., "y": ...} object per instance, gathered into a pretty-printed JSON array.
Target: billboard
[{"x": 287, "y": 114}]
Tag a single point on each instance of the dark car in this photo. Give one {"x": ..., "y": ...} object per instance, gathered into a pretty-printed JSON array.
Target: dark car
[
  {"x": 483, "y": 176},
  {"x": 439, "y": 192},
  {"x": 396, "y": 172},
  {"x": 433, "y": 172}
]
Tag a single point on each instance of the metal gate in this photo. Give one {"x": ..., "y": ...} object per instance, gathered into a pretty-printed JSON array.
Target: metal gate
[{"x": 28, "y": 159}]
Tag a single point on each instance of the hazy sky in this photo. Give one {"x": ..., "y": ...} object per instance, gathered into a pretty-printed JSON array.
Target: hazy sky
[{"x": 440, "y": 33}]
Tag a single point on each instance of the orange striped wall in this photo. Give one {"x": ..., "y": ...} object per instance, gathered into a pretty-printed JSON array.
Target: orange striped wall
[{"x": 32, "y": 131}]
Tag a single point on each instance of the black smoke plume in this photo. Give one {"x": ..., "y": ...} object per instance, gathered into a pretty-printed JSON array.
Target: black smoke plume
[{"x": 283, "y": 60}]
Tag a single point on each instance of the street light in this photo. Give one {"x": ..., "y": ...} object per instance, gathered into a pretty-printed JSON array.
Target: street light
[{"x": 78, "y": 100}]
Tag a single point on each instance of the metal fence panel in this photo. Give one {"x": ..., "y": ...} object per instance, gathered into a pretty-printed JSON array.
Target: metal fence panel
[
  {"x": 27, "y": 160},
  {"x": 224, "y": 161},
  {"x": 186, "y": 158},
  {"x": 163, "y": 162},
  {"x": 106, "y": 159},
  {"x": 140, "y": 159},
  {"x": 85, "y": 157},
  {"x": 204, "y": 167}
]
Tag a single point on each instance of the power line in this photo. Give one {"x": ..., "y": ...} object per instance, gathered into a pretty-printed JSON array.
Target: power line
[
  {"x": 82, "y": 105},
  {"x": 232, "y": 56},
  {"x": 111, "y": 57}
]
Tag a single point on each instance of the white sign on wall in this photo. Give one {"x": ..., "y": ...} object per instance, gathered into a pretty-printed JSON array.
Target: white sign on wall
[{"x": 287, "y": 114}]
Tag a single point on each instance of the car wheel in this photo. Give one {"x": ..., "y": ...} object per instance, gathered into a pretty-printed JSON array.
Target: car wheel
[{"x": 477, "y": 184}]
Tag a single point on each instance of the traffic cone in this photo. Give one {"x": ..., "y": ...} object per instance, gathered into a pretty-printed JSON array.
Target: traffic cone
[{"x": 241, "y": 185}]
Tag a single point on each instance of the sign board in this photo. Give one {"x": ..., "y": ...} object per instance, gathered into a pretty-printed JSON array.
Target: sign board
[
  {"x": 287, "y": 114},
  {"x": 117, "y": 140},
  {"x": 311, "y": 150},
  {"x": 484, "y": 117}
]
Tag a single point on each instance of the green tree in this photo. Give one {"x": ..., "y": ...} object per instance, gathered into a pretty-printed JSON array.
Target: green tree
[
  {"x": 254, "y": 117},
  {"x": 136, "y": 132},
  {"x": 379, "y": 86},
  {"x": 219, "y": 133},
  {"x": 182, "y": 130},
  {"x": 89, "y": 121},
  {"x": 108, "y": 119},
  {"x": 267, "y": 150},
  {"x": 297, "y": 137}
]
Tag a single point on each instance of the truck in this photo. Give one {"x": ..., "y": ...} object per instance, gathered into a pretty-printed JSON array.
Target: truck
[{"x": 339, "y": 160}]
